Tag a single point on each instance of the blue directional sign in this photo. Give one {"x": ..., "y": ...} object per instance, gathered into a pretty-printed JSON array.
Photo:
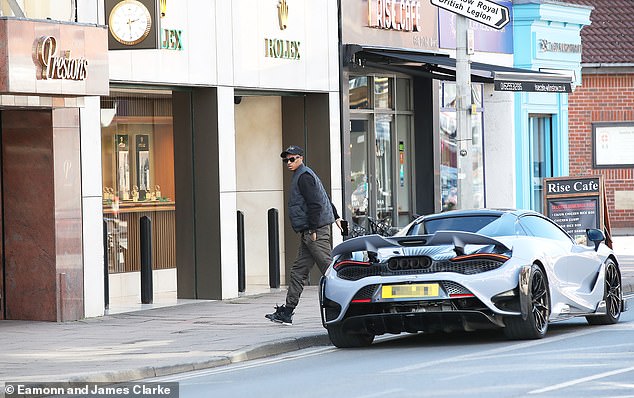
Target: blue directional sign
[{"x": 485, "y": 12}]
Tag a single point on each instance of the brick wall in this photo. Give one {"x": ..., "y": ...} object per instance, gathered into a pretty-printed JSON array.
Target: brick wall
[{"x": 602, "y": 98}]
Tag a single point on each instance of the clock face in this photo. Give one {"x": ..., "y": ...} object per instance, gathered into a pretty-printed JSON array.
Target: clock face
[{"x": 130, "y": 22}]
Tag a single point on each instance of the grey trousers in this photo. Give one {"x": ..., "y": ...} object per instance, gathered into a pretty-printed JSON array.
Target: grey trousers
[{"x": 308, "y": 254}]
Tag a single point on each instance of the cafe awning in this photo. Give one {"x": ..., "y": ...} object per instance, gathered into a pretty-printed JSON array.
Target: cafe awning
[{"x": 443, "y": 67}]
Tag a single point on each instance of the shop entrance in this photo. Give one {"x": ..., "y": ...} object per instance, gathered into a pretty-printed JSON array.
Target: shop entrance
[
  {"x": 259, "y": 180},
  {"x": 265, "y": 124},
  {"x": 379, "y": 139},
  {"x": 541, "y": 156}
]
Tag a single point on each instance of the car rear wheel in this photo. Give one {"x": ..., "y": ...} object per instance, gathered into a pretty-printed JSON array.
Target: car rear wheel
[
  {"x": 343, "y": 339},
  {"x": 536, "y": 323},
  {"x": 613, "y": 296}
]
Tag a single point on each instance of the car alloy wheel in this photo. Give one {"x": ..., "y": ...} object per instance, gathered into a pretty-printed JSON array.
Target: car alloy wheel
[
  {"x": 613, "y": 296},
  {"x": 539, "y": 301},
  {"x": 536, "y": 323}
]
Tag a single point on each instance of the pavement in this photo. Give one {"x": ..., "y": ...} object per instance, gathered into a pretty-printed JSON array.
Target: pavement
[{"x": 162, "y": 341}]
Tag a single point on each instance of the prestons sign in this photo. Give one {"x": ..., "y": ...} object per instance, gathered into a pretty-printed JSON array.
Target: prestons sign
[{"x": 54, "y": 66}]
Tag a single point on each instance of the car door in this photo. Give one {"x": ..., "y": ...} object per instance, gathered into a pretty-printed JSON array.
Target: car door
[{"x": 575, "y": 268}]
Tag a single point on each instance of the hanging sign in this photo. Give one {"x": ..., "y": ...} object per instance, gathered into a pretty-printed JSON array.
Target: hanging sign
[{"x": 485, "y": 12}]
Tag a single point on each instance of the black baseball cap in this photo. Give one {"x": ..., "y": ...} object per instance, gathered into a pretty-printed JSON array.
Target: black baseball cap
[{"x": 292, "y": 150}]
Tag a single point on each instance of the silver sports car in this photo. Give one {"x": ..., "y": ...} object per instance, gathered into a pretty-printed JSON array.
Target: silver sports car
[{"x": 465, "y": 270}]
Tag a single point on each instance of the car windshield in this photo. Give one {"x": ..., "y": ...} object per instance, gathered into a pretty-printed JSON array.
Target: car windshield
[
  {"x": 464, "y": 223},
  {"x": 489, "y": 225}
]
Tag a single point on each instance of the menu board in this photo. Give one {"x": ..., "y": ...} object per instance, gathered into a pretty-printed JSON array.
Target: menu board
[
  {"x": 575, "y": 215},
  {"x": 576, "y": 204}
]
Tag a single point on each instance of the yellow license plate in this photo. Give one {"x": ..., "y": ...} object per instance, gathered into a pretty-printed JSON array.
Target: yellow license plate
[{"x": 410, "y": 291}]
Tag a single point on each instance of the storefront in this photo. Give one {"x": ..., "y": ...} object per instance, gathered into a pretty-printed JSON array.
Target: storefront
[
  {"x": 547, "y": 38},
  {"x": 406, "y": 156},
  {"x": 386, "y": 114},
  {"x": 192, "y": 132},
  {"x": 137, "y": 152},
  {"x": 52, "y": 73}
]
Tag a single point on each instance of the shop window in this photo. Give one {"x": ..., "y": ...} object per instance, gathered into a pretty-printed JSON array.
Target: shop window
[
  {"x": 138, "y": 176},
  {"x": 461, "y": 157},
  {"x": 380, "y": 150},
  {"x": 57, "y": 10},
  {"x": 403, "y": 131},
  {"x": 359, "y": 94},
  {"x": 448, "y": 95},
  {"x": 383, "y": 92},
  {"x": 403, "y": 95},
  {"x": 383, "y": 167}
]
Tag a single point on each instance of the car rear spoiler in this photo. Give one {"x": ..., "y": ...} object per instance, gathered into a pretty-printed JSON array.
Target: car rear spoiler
[{"x": 372, "y": 243}]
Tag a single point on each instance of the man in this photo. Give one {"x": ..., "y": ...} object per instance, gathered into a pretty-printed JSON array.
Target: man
[{"x": 311, "y": 212}]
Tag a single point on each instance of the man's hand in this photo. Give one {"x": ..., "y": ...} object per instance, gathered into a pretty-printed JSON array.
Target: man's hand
[
  {"x": 338, "y": 222},
  {"x": 313, "y": 236}
]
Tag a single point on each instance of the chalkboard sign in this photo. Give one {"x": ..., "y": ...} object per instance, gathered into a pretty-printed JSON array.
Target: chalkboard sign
[{"x": 576, "y": 204}]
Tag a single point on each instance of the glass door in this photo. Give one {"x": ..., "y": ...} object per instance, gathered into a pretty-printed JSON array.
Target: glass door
[
  {"x": 359, "y": 166},
  {"x": 381, "y": 119},
  {"x": 541, "y": 158},
  {"x": 383, "y": 168}
]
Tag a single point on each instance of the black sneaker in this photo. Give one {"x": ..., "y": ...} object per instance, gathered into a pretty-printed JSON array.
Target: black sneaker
[{"x": 282, "y": 314}]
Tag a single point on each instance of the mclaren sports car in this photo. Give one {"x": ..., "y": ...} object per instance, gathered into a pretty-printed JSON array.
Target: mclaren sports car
[{"x": 513, "y": 270}]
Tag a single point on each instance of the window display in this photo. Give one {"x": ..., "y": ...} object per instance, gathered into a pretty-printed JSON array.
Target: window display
[{"x": 138, "y": 175}]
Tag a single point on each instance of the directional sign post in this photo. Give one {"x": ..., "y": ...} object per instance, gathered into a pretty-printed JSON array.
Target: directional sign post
[{"x": 486, "y": 12}]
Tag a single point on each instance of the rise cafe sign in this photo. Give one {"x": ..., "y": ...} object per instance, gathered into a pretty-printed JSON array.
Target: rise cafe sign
[
  {"x": 400, "y": 15},
  {"x": 576, "y": 204}
]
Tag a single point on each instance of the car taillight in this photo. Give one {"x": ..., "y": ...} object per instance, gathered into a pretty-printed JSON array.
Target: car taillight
[
  {"x": 482, "y": 256},
  {"x": 350, "y": 263},
  {"x": 357, "y": 301}
]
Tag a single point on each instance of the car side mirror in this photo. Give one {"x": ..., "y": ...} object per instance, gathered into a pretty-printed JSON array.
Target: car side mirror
[{"x": 596, "y": 236}]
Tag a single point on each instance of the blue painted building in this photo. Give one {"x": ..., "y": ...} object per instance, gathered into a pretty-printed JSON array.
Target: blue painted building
[{"x": 547, "y": 38}]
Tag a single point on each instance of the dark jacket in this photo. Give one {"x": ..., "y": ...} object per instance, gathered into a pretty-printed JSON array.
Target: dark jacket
[{"x": 308, "y": 205}]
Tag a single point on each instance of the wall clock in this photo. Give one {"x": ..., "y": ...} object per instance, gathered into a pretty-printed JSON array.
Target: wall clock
[{"x": 130, "y": 22}]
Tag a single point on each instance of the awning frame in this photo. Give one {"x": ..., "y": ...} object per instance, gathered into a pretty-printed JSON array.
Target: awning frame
[{"x": 442, "y": 67}]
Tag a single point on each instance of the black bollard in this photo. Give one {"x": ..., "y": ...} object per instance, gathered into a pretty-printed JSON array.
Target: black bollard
[
  {"x": 106, "y": 283},
  {"x": 146, "y": 261},
  {"x": 241, "y": 263},
  {"x": 274, "y": 249}
]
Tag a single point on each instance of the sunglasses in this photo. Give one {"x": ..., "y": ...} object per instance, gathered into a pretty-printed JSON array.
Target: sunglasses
[{"x": 290, "y": 160}]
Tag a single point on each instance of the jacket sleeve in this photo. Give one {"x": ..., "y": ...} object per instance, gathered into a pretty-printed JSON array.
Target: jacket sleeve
[
  {"x": 308, "y": 188},
  {"x": 334, "y": 211}
]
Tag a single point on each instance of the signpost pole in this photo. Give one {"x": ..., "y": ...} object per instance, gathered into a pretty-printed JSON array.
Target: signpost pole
[{"x": 463, "y": 110}]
